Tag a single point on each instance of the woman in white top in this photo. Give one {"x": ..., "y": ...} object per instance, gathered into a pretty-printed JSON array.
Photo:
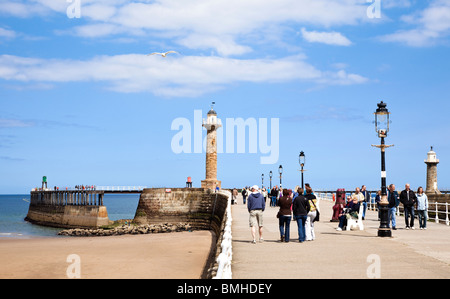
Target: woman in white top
[{"x": 422, "y": 207}]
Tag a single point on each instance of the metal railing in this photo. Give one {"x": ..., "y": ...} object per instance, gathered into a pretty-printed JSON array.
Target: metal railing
[
  {"x": 434, "y": 208},
  {"x": 120, "y": 188},
  {"x": 226, "y": 252}
]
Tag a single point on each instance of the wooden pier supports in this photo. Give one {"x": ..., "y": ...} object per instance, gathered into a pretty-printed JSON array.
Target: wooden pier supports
[
  {"x": 66, "y": 197},
  {"x": 68, "y": 208}
]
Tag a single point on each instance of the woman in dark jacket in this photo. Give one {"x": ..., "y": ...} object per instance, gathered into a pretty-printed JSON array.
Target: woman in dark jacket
[
  {"x": 300, "y": 210},
  {"x": 285, "y": 204}
]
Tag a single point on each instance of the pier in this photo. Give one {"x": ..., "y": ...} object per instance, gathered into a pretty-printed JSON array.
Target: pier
[
  {"x": 67, "y": 208},
  {"x": 408, "y": 254},
  {"x": 67, "y": 197}
]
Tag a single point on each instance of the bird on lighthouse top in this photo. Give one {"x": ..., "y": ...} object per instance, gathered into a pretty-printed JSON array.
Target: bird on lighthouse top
[{"x": 212, "y": 109}]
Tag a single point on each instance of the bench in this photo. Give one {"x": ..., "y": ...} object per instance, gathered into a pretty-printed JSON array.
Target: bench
[{"x": 352, "y": 222}]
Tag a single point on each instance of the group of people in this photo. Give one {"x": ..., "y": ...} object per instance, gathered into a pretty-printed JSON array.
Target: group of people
[
  {"x": 298, "y": 204},
  {"x": 246, "y": 192},
  {"x": 411, "y": 201},
  {"x": 85, "y": 187}
]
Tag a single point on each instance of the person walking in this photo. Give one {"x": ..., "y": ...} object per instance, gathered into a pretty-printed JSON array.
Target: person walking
[
  {"x": 234, "y": 196},
  {"x": 273, "y": 195},
  {"x": 300, "y": 210},
  {"x": 256, "y": 206},
  {"x": 393, "y": 204},
  {"x": 366, "y": 195},
  {"x": 309, "y": 223},
  {"x": 422, "y": 208},
  {"x": 284, "y": 215},
  {"x": 408, "y": 198},
  {"x": 264, "y": 193},
  {"x": 244, "y": 194}
]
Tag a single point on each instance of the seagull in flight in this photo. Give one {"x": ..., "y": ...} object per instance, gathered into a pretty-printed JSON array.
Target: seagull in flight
[{"x": 162, "y": 54}]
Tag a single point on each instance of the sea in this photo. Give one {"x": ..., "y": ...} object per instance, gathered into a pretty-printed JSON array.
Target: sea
[{"x": 14, "y": 209}]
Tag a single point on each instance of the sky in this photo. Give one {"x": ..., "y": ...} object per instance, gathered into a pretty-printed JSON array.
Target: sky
[{"x": 81, "y": 102}]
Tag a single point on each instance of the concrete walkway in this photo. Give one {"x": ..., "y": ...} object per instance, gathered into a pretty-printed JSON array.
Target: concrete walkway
[{"x": 339, "y": 254}]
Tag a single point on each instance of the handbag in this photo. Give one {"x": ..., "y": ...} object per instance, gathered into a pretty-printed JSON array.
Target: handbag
[
  {"x": 317, "y": 212},
  {"x": 278, "y": 214}
]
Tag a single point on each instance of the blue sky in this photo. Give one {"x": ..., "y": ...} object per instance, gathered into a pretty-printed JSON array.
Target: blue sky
[{"x": 82, "y": 103}]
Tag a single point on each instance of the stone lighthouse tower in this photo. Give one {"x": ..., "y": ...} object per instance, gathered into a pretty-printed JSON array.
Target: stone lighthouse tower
[
  {"x": 432, "y": 163},
  {"x": 212, "y": 123}
]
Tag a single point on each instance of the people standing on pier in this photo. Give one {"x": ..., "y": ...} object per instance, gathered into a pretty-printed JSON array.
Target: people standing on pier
[
  {"x": 422, "y": 208},
  {"x": 366, "y": 196},
  {"x": 358, "y": 195},
  {"x": 309, "y": 224},
  {"x": 377, "y": 201},
  {"x": 284, "y": 215},
  {"x": 244, "y": 194},
  {"x": 300, "y": 210},
  {"x": 234, "y": 196},
  {"x": 256, "y": 206},
  {"x": 265, "y": 194},
  {"x": 394, "y": 201},
  {"x": 274, "y": 196},
  {"x": 408, "y": 198}
]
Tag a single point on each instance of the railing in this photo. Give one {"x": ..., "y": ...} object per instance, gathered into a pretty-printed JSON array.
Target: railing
[
  {"x": 435, "y": 208},
  {"x": 120, "y": 188},
  {"x": 226, "y": 252},
  {"x": 324, "y": 196}
]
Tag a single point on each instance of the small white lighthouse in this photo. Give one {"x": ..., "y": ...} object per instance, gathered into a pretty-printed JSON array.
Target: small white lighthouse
[
  {"x": 212, "y": 123},
  {"x": 432, "y": 163}
]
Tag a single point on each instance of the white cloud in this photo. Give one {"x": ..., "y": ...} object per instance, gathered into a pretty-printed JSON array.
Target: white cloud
[
  {"x": 7, "y": 33},
  {"x": 343, "y": 78},
  {"x": 188, "y": 21},
  {"x": 182, "y": 76},
  {"x": 226, "y": 27},
  {"x": 225, "y": 45},
  {"x": 13, "y": 123},
  {"x": 19, "y": 9},
  {"x": 223, "y": 24},
  {"x": 329, "y": 38},
  {"x": 431, "y": 26},
  {"x": 96, "y": 30}
]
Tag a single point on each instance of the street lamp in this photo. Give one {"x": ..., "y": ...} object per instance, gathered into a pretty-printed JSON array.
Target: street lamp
[
  {"x": 301, "y": 160},
  {"x": 280, "y": 171},
  {"x": 262, "y": 180},
  {"x": 270, "y": 176},
  {"x": 382, "y": 128}
]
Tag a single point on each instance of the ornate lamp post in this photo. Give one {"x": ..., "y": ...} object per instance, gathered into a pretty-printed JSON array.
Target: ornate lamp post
[
  {"x": 280, "y": 171},
  {"x": 270, "y": 176},
  {"x": 262, "y": 180},
  {"x": 301, "y": 160},
  {"x": 382, "y": 128}
]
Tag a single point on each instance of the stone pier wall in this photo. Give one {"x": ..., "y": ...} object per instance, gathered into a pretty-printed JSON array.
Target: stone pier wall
[
  {"x": 68, "y": 209},
  {"x": 201, "y": 208},
  {"x": 68, "y": 216}
]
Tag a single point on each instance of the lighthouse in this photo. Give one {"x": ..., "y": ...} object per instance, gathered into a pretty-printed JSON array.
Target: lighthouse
[
  {"x": 211, "y": 124},
  {"x": 432, "y": 163}
]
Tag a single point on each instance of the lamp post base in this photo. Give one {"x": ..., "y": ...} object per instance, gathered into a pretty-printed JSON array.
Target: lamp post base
[{"x": 384, "y": 230}]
